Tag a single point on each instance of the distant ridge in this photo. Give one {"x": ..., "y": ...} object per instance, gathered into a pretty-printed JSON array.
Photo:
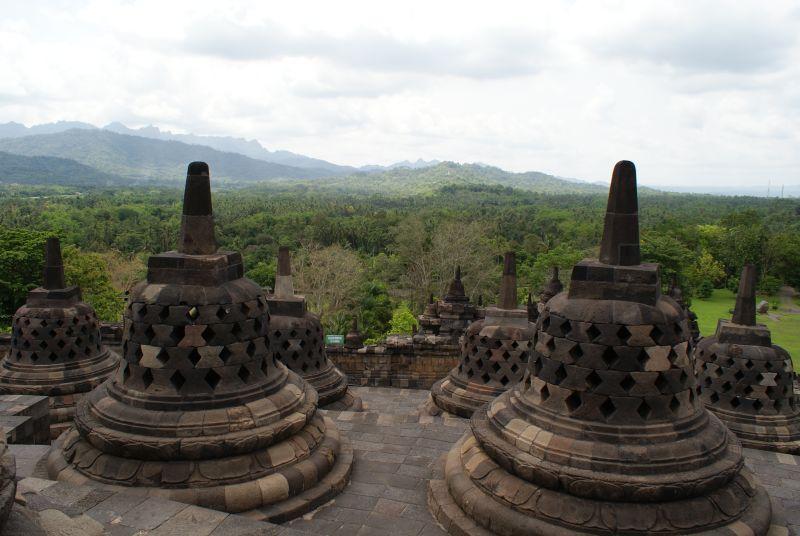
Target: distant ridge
[
  {"x": 18, "y": 169},
  {"x": 251, "y": 148},
  {"x": 139, "y": 158},
  {"x": 402, "y": 180}
]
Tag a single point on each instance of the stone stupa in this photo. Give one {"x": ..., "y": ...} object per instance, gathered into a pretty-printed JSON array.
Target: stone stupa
[
  {"x": 199, "y": 410},
  {"x": 56, "y": 349},
  {"x": 494, "y": 352},
  {"x": 604, "y": 434},
  {"x": 353, "y": 340},
  {"x": 550, "y": 289},
  {"x": 444, "y": 321},
  {"x": 298, "y": 340},
  {"x": 747, "y": 381},
  {"x": 676, "y": 293}
]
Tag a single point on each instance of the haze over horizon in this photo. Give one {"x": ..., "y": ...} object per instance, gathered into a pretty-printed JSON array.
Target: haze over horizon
[{"x": 566, "y": 87}]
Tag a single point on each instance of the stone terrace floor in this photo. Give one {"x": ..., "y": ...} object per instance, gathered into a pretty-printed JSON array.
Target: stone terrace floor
[{"x": 396, "y": 453}]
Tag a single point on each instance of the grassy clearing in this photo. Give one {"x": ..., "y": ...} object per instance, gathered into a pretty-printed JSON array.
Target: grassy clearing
[{"x": 785, "y": 330}]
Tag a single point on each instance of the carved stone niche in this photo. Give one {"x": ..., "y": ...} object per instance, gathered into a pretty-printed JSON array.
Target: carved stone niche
[
  {"x": 605, "y": 433},
  {"x": 200, "y": 411}
]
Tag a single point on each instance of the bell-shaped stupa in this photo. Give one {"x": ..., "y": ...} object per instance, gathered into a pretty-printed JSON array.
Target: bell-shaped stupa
[
  {"x": 494, "y": 352},
  {"x": 353, "y": 340},
  {"x": 443, "y": 322},
  {"x": 746, "y": 380},
  {"x": 605, "y": 433},
  {"x": 56, "y": 349},
  {"x": 199, "y": 410},
  {"x": 298, "y": 340}
]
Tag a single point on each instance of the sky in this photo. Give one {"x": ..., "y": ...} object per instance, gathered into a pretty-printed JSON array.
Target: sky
[{"x": 694, "y": 92}]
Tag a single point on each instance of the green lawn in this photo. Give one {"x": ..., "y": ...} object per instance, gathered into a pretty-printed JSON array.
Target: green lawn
[{"x": 785, "y": 332}]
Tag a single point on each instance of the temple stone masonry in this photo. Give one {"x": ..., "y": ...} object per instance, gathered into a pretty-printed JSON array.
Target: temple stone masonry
[
  {"x": 199, "y": 410},
  {"x": 747, "y": 381},
  {"x": 605, "y": 433},
  {"x": 353, "y": 340},
  {"x": 298, "y": 340},
  {"x": 676, "y": 294},
  {"x": 56, "y": 348},
  {"x": 494, "y": 352},
  {"x": 8, "y": 483},
  {"x": 549, "y": 289},
  {"x": 444, "y": 321}
]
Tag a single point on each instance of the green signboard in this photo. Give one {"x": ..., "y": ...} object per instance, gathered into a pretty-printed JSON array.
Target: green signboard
[{"x": 334, "y": 339}]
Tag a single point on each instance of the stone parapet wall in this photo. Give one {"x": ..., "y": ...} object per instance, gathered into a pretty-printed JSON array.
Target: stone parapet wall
[{"x": 408, "y": 366}]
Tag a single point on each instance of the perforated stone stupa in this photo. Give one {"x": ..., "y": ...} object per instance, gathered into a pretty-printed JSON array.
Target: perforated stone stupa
[
  {"x": 444, "y": 321},
  {"x": 493, "y": 353},
  {"x": 199, "y": 410},
  {"x": 605, "y": 434},
  {"x": 298, "y": 340},
  {"x": 746, "y": 380},
  {"x": 56, "y": 349}
]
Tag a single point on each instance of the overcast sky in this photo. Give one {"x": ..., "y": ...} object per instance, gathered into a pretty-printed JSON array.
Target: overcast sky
[{"x": 695, "y": 92}]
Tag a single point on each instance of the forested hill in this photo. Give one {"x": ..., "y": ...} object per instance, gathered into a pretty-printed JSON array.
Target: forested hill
[
  {"x": 135, "y": 157},
  {"x": 20, "y": 169},
  {"x": 96, "y": 156},
  {"x": 404, "y": 181}
]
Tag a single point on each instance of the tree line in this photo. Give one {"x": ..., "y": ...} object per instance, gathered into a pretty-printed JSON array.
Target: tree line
[{"x": 369, "y": 255}]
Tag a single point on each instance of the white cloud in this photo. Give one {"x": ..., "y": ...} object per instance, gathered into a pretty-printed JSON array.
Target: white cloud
[{"x": 693, "y": 92}]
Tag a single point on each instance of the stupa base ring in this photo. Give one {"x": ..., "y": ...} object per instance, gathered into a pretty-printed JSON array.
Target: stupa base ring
[
  {"x": 459, "y": 401},
  {"x": 276, "y": 497},
  {"x": 463, "y": 508},
  {"x": 345, "y": 402},
  {"x": 331, "y": 386},
  {"x": 778, "y": 433}
]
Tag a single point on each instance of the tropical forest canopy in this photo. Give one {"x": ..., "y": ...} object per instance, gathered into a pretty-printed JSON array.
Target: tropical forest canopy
[{"x": 364, "y": 254}]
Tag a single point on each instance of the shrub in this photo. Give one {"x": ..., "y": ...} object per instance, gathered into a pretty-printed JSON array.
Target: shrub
[{"x": 705, "y": 289}]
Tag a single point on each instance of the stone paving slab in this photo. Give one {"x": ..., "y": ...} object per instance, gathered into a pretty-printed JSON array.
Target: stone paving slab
[
  {"x": 396, "y": 451},
  {"x": 128, "y": 514}
]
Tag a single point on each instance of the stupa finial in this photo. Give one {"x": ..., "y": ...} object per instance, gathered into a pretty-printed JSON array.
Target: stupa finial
[
  {"x": 53, "y": 265},
  {"x": 744, "y": 312},
  {"x": 284, "y": 287},
  {"x": 455, "y": 292},
  {"x": 508, "y": 286},
  {"x": 620, "y": 245},
  {"x": 197, "y": 223}
]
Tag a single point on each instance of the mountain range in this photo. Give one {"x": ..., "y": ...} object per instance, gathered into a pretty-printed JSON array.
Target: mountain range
[{"x": 80, "y": 154}]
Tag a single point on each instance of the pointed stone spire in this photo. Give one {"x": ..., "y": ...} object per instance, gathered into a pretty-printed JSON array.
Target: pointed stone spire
[
  {"x": 353, "y": 338},
  {"x": 456, "y": 291},
  {"x": 745, "y": 311},
  {"x": 53, "y": 266},
  {"x": 197, "y": 223},
  {"x": 284, "y": 287},
  {"x": 620, "y": 245},
  {"x": 508, "y": 285},
  {"x": 480, "y": 300},
  {"x": 530, "y": 300},
  {"x": 553, "y": 287}
]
